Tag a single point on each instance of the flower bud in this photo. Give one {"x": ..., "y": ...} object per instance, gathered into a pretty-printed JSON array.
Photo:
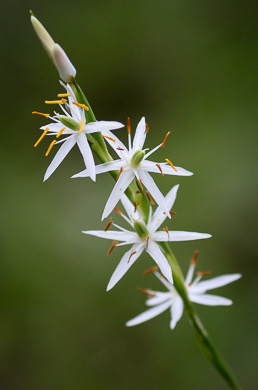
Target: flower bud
[
  {"x": 141, "y": 230},
  {"x": 137, "y": 158},
  {"x": 43, "y": 35},
  {"x": 69, "y": 122},
  {"x": 64, "y": 66}
]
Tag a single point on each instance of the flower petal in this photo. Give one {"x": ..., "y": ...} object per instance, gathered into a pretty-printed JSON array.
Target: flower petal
[
  {"x": 125, "y": 263},
  {"x": 160, "y": 297},
  {"x": 155, "y": 252},
  {"x": 100, "y": 126},
  {"x": 114, "y": 235},
  {"x": 190, "y": 274},
  {"x": 130, "y": 209},
  {"x": 140, "y": 135},
  {"x": 149, "y": 314},
  {"x": 101, "y": 168},
  {"x": 178, "y": 236},
  {"x": 159, "y": 216},
  {"x": 176, "y": 309},
  {"x": 166, "y": 169},
  {"x": 210, "y": 300},
  {"x": 60, "y": 155},
  {"x": 219, "y": 281},
  {"x": 118, "y": 145},
  {"x": 121, "y": 185},
  {"x": 87, "y": 155},
  {"x": 164, "y": 281}
]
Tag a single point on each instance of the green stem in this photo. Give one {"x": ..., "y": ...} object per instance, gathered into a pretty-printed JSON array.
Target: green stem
[{"x": 136, "y": 196}]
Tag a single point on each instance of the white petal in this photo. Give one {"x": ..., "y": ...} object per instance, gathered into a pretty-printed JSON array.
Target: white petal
[
  {"x": 140, "y": 135},
  {"x": 166, "y": 169},
  {"x": 121, "y": 185},
  {"x": 176, "y": 311},
  {"x": 155, "y": 252},
  {"x": 101, "y": 168},
  {"x": 179, "y": 236},
  {"x": 215, "y": 282},
  {"x": 189, "y": 275},
  {"x": 87, "y": 155},
  {"x": 210, "y": 300},
  {"x": 60, "y": 155},
  {"x": 99, "y": 126},
  {"x": 160, "y": 297},
  {"x": 114, "y": 235},
  {"x": 149, "y": 183},
  {"x": 159, "y": 216},
  {"x": 149, "y": 314},
  {"x": 164, "y": 281},
  {"x": 130, "y": 208},
  {"x": 115, "y": 145},
  {"x": 125, "y": 264}
]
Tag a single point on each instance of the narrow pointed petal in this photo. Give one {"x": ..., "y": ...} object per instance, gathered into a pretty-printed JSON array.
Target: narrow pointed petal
[
  {"x": 166, "y": 169},
  {"x": 125, "y": 264},
  {"x": 179, "y": 236},
  {"x": 161, "y": 261},
  {"x": 151, "y": 186},
  {"x": 130, "y": 208},
  {"x": 190, "y": 273},
  {"x": 87, "y": 155},
  {"x": 60, "y": 155},
  {"x": 159, "y": 216},
  {"x": 121, "y": 185},
  {"x": 176, "y": 311},
  {"x": 101, "y": 168},
  {"x": 114, "y": 235},
  {"x": 149, "y": 314},
  {"x": 219, "y": 281},
  {"x": 210, "y": 300},
  {"x": 140, "y": 135},
  {"x": 160, "y": 297},
  {"x": 164, "y": 281},
  {"x": 100, "y": 126}
]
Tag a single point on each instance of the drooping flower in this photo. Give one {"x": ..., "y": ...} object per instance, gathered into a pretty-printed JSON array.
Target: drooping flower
[
  {"x": 144, "y": 237},
  {"x": 161, "y": 301},
  {"x": 72, "y": 124},
  {"x": 133, "y": 163}
]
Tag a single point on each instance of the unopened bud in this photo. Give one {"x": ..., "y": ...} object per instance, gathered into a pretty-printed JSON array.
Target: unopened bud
[
  {"x": 137, "y": 158},
  {"x": 64, "y": 66},
  {"x": 69, "y": 122},
  {"x": 43, "y": 35},
  {"x": 141, "y": 230}
]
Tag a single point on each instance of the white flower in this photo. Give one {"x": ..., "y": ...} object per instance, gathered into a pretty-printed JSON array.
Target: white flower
[
  {"x": 133, "y": 163},
  {"x": 161, "y": 301},
  {"x": 145, "y": 237},
  {"x": 73, "y": 125}
]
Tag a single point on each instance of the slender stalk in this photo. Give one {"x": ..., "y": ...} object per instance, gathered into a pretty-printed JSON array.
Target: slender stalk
[{"x": 137, "y": 197}]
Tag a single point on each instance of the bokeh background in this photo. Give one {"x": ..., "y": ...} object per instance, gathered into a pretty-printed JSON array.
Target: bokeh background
[{"x": 191, "y": 68}]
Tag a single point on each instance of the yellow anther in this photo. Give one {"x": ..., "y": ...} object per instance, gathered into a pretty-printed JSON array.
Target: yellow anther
[
  {"x": 164, "y": 141},
  {"x": 111, "y": 139},
  {"x": 81, "y": 128},
  {"x": 41, "y": 137},
  {"x": 60, "y": 132},
  {"x": 203, "y": 273},
  {"x": 50, "y": 147},
  {"x": 194, "y": 258},
  {"x": 82, "y": 106},
  {"x": 62, "y": 101},
  {"x": 170, "y": 163},
  {"x": 63, "y": 95},
  {"x": 41, "y": 113},
  {"x": 128, "y": 125}
]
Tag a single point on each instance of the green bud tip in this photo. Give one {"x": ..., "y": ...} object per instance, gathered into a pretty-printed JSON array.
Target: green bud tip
[
  {"x": 137, "y": 158},
  {"x": 141, "y": 230},
  {"x": 69, "y": 122}
]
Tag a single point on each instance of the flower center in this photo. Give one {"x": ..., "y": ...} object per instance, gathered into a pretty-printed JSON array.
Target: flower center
[
  {"x": 137, "y": 158},
  {"x": 71, "y": 123},
  {"x": 141, "y": 230}
]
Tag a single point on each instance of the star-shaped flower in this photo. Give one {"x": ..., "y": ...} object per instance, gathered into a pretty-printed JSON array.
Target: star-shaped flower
[
  {"x": 161, "y": 301},
  {"x": 144, "y": 236},
  {"x": 133, "y": 163},
  {"x": 72, "y": 124}
]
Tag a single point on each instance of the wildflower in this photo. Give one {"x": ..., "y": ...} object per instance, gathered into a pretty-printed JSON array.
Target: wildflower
[
  {"x": 133, "y": 163},
  {"x": 73, "y": 125},
  {"x": 144, "y": 237},
  {"x": 161, "y": 301}
]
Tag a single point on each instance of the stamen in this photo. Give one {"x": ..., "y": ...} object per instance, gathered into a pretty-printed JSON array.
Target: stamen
[
  {"x": 118, "y": 211},
  {"x": 50, "y": 147},
  {"x": 60, "y": 132},
  {"x": 119, "y": 148},
  {"x": 133, "y": 253},
  {"x": 62, "y": 101},
  {"x": 194, "y": 258},
  {"x": 121, "y": 170},
  {"x": 144, "y": 290},
  {"x": 108, "y": 225},
  {"x": 63, "y": 95},
  {"x": 147, "y": 242},
  {"x": 166, "y": 230},
  {"x": 138, "y": 192},
  {"x": 112, "y": 247},
  {"x": 82, "y": 106},
  {"x": 81, "y": 127},
  {"x": 128, "y": 125},
  {"x": 147, "y": 128},
  {"x": 202, "y": 273},
  {"x": 141, "y": 184},
  {"x": 149, "y": 197},
  {"x": 41, "y": 113},
  {"x": 158, "y": 165},
  {"x": 172, "y": 213},
  {"x": 41, "y": 137},
  {"x": 164, "y": 141},
  {"x": 170, "y": 163},
  {"x": 136, "y": 204},
  {"x": 150, "y": 270},
  {"x": 111, "y": 139}
]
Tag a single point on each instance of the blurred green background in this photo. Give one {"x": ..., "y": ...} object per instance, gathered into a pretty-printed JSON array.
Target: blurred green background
[{"x": 191, "y": 68}]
